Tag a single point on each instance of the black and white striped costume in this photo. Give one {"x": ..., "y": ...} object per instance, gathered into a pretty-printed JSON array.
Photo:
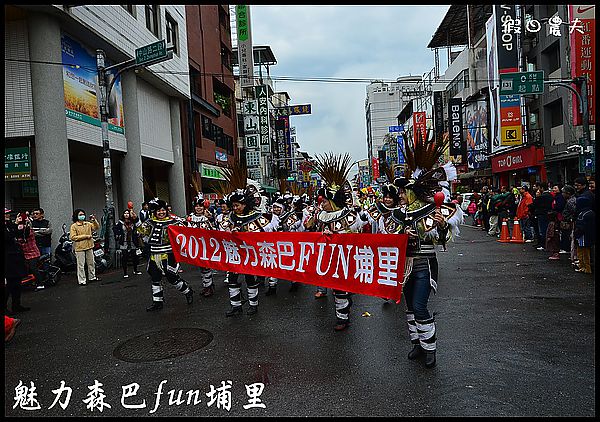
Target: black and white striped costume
[
  {"x": 421, "y": 259},
  {"x": 202, "y": 222},
  {"x": 346, "y": 220},
  {"x": 252, "y": 222},
  {"x": 162, "y": 260}
]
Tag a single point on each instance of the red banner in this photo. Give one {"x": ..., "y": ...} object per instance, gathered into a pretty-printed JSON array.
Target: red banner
[
  {"x": 583, "y": 55},
  {"x": 363, "y": 263},
  {"x": 420, "y": 124},
  {"x": 375, "y": 168}
]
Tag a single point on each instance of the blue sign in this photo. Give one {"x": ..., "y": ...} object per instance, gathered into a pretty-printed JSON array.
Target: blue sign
[
  {"x": 396, "y": 128},
  {"x": 400, "y": 141}
]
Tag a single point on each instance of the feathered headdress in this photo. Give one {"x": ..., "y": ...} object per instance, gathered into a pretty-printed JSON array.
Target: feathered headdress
[
  {"x": 423, "y": 177},
  {"x": 333, "y": 169}
]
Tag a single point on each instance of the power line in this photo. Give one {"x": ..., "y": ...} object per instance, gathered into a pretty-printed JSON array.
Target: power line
[{"x": 321, "y": 79}]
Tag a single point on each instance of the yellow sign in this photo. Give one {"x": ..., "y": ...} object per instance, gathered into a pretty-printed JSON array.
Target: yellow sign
[{"x": 511, "y": 135}]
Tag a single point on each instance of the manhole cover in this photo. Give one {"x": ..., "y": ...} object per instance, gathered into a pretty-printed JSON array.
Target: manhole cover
[{"x": 163, "y": 344}]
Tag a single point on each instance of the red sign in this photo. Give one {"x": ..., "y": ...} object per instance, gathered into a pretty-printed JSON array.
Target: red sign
[
  {"x": 363, "y": 263},
  {"x": 375, "y": 168},
  {"x": 528, "y": 157},
  {"x": 583, "y": 55},
  {"x": 420, "y": 124}
]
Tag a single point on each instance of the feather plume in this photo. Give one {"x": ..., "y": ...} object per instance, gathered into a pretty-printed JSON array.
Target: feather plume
[
  {"x": 235, "y": 178},
  {"x": 333, "y": 168},
  {"x": 147, "y": 188},
  {"x": 421, "y": 152}
]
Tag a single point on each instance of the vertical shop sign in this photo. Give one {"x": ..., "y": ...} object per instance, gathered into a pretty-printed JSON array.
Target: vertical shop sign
[
  {"x": 455, "y": 123},
  {"x": 419, "y": 124},
  {"x": 583, "y": 55},
  {"x": 438, "y": 112},
  {"x": 263, "y": 114},
  {"x": 245, "y": 54},
  {"x": 508, "y": 62}
]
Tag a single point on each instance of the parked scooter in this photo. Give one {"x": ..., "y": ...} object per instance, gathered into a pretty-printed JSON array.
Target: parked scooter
[
  {"x": 99, "y": 260},
  {"x": 64, "y": 254},
  {"x": 49, "y": 274}
]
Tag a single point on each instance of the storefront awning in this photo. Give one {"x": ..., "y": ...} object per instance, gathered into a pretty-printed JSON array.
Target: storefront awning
[{"x": 475, "y": 173}]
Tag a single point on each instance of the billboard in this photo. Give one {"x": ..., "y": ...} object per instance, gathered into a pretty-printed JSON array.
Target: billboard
[
  {"x": 245, "y": 53},
  {"x": 80, "y": 80},
  {"x": 475, "y": 123},
  {"x": 455, "y": 124}
]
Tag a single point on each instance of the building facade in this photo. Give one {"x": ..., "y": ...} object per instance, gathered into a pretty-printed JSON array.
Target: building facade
[
  {"x": 209, "y": 117},
  {"x": 52, "y": 109}
]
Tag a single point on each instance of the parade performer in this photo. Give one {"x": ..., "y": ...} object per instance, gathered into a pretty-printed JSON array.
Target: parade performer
[
  {"x": 278, "y": 209},
  {"x": 423, "y": 220},
  {"x": 245, "y": 218},
  {"x": 200, "y": 218},
  {"x": 337, "y": 215},
  {"x": 222, "y": 221},
  {"x": 162, "y": 261}
]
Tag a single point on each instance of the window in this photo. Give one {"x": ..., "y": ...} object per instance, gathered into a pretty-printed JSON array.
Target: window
[
  {"x": 551, "y": 58},
  {"x": 152, "y": 18},
  {"x": 554, "y": 113},
  {"x": 197, "y": 129},
  {"x": 226, "y": 56},
  {"x": 172, "y": 31},
  {"x": 130, "y": 9},
  {"x": 207, "y": 127}
]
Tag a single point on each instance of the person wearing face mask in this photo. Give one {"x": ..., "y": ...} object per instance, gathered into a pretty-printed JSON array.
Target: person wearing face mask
[{"x": 81, "y": 235}]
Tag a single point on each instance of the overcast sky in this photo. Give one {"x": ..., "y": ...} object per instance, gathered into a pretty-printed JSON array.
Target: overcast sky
[{"x": 369, "y": 42}]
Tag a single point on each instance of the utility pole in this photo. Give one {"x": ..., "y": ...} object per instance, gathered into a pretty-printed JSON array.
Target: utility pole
[
  {"x": 581, "y": 81},
  {"x": 145, "y": 56}
]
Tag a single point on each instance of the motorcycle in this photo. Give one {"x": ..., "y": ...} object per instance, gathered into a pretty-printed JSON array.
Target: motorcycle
[
  {"x": 99, "y": 260},
  {"x": 64, "y": 254},
  {"x": 49, "y": 274}
]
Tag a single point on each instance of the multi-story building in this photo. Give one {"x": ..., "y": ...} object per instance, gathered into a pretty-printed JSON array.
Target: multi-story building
[
  {"x": 382, "y": 104},
  {"x": 546, "y": 119},
  {"x": 209, "y": 117},
  {"x": 52, "y": 109}
]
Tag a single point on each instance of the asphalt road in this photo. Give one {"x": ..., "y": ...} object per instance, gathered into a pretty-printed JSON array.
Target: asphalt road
[{"x": 515, "y": 335}]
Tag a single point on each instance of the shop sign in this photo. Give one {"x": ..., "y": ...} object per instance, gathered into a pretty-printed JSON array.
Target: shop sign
[
  {"x": 210, "y": 172},
  {"x": 245, "y": 53},
  {"x": 17, "y": 164},
  {"x": 455, "y": 120},
  {"x": 515, "y": 160},
  {"x": 582, "y": 33}
]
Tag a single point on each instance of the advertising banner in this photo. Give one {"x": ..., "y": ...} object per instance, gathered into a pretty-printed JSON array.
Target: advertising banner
[
  {"x": 367, "y": 264},
  {"x": 80, "y": 80},
  {"x": 375, "y": 162},
  {"x": 477, "y": 134},
  {"x": 493, "y": 77},
  {"x": 583, "y": 55},
  {"x": 455, "y": 123},
  {"x": 508, "y": 62}
]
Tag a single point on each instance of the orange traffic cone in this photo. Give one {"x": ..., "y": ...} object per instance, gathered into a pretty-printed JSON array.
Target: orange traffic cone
[
  {"x": 504, "y": 236},
  {"x": 517, "y": 236}
]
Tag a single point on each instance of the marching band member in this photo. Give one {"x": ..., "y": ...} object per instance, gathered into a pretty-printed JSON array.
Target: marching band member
[
  {"x": 423, "y": 221},
  {"x": 162, "y": 260},
  {"x": 245, "y": 218},
  {"x": 337, "y": 215},
  {"x": 201, "y": 218}
]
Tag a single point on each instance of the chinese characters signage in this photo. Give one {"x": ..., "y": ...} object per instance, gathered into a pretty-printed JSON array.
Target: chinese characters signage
[
  {"x": 293, "y": 110},
  {"x": 263, "y": 114},
  {"x": 80, "y": 85},
  {"x": 583, "y": 55},
  {"x": 17, "y": 164},
  {"x": 245, "y": 54},
  {"x": 419, "y": 125},
  {"x": 369, "y": 264}
]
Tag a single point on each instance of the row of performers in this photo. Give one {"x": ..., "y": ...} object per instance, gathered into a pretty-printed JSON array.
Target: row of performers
[{"x": 406, "y": 206}]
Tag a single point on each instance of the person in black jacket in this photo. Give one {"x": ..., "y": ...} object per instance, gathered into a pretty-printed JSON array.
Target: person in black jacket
[
  {"x": 127, "y": 238},
  {"x": 542, "y": 205},
  {"x": 14, "y": 264},
  {"x": 585, "y": 233}
]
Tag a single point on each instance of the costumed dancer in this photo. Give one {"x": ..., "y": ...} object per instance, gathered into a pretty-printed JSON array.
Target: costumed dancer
[
  {"x": 424, "y": 221},
  {"x": 200, "y": 218},
  {"x": 278, "y": 208},
  {"x": 222, "y": 221},
  {"x": 162, "y": 260},
  {"x": 245, "y": 218},
  {"x": 337, "y": 215}
]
